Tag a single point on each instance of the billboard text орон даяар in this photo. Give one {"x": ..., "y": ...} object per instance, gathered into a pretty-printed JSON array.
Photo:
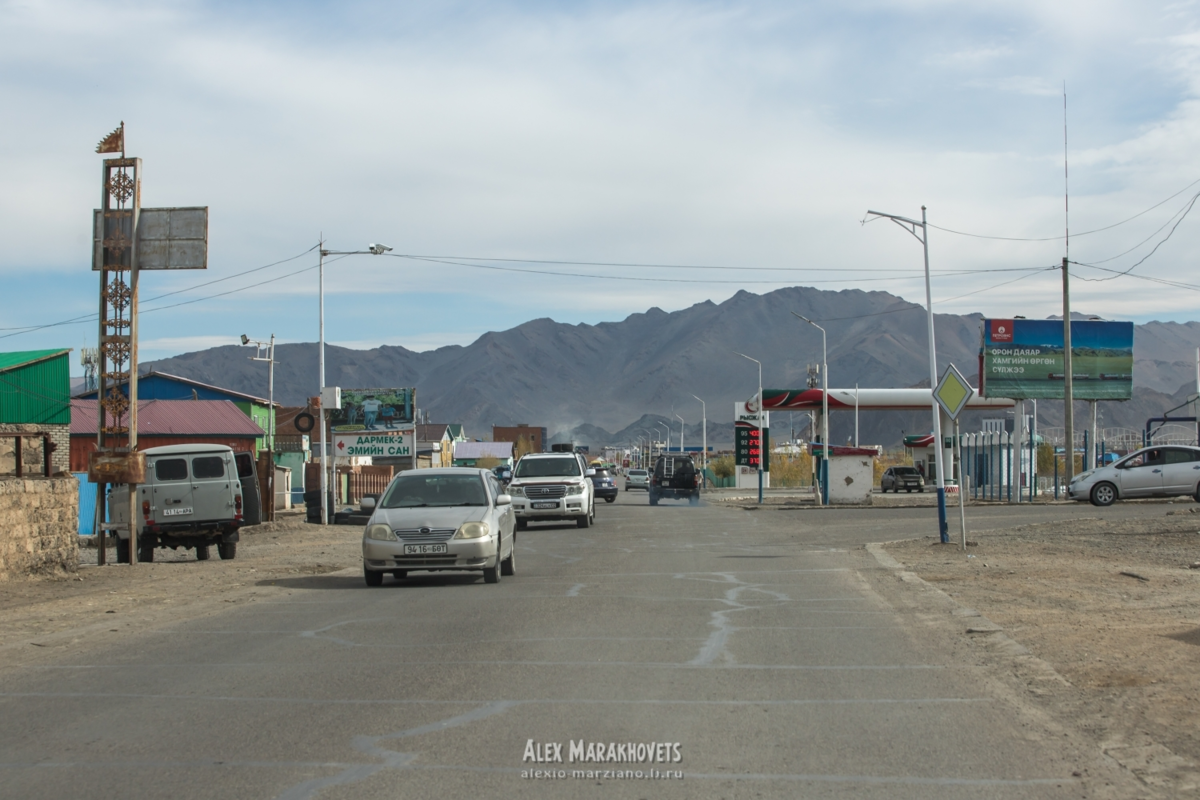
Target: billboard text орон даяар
[{"x": 1023, "y": 359}]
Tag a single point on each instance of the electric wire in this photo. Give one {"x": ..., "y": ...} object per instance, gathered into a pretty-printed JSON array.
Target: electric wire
[{"x": 1058, "y": 238}]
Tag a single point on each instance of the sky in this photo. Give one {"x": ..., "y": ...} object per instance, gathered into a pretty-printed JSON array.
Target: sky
[{"x": 683, "y": 150}]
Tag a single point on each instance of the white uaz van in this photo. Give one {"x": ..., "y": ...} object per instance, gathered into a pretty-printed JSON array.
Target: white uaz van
[{"x": 195, "y": 495}]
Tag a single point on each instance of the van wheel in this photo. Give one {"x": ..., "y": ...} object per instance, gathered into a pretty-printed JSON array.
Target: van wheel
[
  {"x": 122, "y": 551},
  {"x": 146, "y": 552},
  {"x": 202, "y": 552},
  {"x": 227, "y": 550}
]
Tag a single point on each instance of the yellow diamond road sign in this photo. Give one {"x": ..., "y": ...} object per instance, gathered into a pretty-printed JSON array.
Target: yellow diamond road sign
[{"x": 953, "y": 392}]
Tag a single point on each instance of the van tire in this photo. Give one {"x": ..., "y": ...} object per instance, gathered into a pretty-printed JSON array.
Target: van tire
[
  {"x": 202, "y": 552},
  {"x": 122, "y": 551},
  {"x": 227, "y": 550},
  {"x": 146, "y": 553}
]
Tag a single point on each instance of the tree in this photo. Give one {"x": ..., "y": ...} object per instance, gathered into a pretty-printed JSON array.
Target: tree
[{"x": 722, "y": 467}]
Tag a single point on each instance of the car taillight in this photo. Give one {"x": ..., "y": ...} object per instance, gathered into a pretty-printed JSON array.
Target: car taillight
[
  {"x": 146, "y": 509},
  {"x": 237, "y": 506}
]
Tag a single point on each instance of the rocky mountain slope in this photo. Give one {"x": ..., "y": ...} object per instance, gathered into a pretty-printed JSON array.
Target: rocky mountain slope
[{"x": 606, "y": 376}]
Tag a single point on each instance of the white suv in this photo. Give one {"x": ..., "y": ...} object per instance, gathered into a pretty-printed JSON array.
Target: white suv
[{"x": 552, "y": 486}]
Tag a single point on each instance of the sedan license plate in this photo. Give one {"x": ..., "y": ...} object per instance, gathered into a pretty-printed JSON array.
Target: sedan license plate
[
  {"x": 545, "y": 505},
  {"x": 424, "y": 549},
  {"x": 174, "y": 512}
]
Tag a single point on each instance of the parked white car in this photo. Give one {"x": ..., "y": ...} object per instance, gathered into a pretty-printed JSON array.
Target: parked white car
[
  {"x": 1165, "y": 471},
  {"x": 452, "y": 518},
  {"x": 553, "y": 486}
]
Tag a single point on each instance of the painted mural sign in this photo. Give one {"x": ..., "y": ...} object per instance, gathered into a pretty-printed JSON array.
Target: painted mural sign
[
  {"x": 1023, "y": 358},
  {"x": 373, "y": 410}
]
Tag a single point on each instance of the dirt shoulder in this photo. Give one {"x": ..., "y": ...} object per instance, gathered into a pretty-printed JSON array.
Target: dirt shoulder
[
  {"x": 95, "y": 604},
  {"x": 1113, "y": 607}
]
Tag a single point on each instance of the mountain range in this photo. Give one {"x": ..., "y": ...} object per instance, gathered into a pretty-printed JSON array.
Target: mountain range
[{"x": 607, "y": 383}]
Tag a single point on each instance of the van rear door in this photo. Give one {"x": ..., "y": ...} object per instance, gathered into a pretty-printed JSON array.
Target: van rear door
[
  {"x": 212, "y": 486},
  {"x": 248, "y": 476},
  {"x": 172, "y": 496}
]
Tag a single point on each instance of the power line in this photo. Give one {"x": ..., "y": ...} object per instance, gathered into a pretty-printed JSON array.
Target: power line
[
  {"x": 1058, "y": 238},
  {"x": 914, "y": 276}
]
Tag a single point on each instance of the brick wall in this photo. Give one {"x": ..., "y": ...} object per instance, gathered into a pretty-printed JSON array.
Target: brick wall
[
  {"x": 31, "y": 449},
  {"x": 39, "y": 521}
]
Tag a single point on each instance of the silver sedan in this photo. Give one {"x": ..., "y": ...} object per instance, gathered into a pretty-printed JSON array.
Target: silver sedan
[
  {"x": 441, "y": 519},
  {"x": 1164, "y": 471}
]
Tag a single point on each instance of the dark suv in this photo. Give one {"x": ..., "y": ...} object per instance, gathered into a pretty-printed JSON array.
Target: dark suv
[
  {"x": 897, "y": 478},
  {"x": 676, "y": 478}
]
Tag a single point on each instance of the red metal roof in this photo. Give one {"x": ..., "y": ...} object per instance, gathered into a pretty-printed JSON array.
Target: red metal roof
[{"x": 174, "y": 418}]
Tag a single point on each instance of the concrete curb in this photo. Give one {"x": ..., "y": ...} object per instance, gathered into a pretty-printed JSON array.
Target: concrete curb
[{"x": 978, "y": 626}]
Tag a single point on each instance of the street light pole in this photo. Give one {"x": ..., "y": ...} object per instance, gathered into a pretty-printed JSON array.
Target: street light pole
[
  {"x": 704, "y": 440},
  {"x": 824, "y": 411},
  {"x": 761, "y": 439},
  {"x": 911, "y": 226},
  {"x": 372, "y": 249},
  {"x": 666, "y": 428},
  {"x": 681, "y": 424}
]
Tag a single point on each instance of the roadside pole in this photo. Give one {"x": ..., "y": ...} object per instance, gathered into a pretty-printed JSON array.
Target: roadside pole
[
  {"x": 962, "y": 511},
  {"x": 952, "y": 394}
]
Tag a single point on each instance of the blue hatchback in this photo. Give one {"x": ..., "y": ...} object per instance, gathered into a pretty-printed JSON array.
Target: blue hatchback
[{"x": 604, "y": 485}]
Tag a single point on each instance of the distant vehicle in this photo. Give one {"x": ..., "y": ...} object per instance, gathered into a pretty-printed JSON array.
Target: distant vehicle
[
  {"x": 637, "y": 479},
  {"x": 503, "y": 474},
  {"x": 195, "y": 495},
  {"x": 604, "y": 485},
  {"x": 1167, "y": 471},
  {"x": 552, "y": 486},
  {"x": 896, "y": 478},
  {"x": 453, "y": 518},
  {"x": 675, "y": 477}
]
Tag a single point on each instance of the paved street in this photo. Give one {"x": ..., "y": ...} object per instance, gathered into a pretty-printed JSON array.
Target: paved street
[{"x": 753, "y": 643}]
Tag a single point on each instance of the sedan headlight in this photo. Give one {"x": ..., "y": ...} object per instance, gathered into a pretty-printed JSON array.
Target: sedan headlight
[
  {"x": 472, "y": 530},
  {"x": 382, "y": 533},
  {"x": 576, "y": 488},
  {"x": 515, "y": 491}
]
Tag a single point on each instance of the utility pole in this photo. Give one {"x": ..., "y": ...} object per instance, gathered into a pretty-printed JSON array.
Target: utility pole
[{"x": 1068, "y": 377}]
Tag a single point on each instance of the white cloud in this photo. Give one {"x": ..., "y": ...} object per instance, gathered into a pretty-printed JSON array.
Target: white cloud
[{"x": 730, "y": 135}]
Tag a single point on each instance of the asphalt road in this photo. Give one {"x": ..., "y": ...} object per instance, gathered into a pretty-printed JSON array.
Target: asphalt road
[{"x": 750, "y": 642}]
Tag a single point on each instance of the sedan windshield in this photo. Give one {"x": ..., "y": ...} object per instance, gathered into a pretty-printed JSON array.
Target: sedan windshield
[
  {"x": 547, "y": 468},
  {"x": 416, "y": 491}
]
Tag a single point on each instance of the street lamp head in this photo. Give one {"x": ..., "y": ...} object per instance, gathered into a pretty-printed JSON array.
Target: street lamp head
[
  {"x": 379, "y": 249},
  {"x": 245, "y": 339}
]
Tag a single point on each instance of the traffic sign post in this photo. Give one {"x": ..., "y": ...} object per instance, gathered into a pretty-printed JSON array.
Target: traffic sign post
[{"x": 952, "y": 394}]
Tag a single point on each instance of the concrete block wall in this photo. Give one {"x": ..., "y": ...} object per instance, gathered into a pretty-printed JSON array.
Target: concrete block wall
[
  {"x": 31, "y": 453},
  {"x": 39, "y": 520}
]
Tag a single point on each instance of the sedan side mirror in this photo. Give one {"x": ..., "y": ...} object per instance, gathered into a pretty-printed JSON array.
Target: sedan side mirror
[
  {"x": 503, "y": 500},
  {"x": 367, "y": 503}
]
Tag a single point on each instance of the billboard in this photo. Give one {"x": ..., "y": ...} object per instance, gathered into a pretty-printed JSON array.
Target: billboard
[
  {"x": 1023, "y": 358},
  {"x": 373, "y": 410}
]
